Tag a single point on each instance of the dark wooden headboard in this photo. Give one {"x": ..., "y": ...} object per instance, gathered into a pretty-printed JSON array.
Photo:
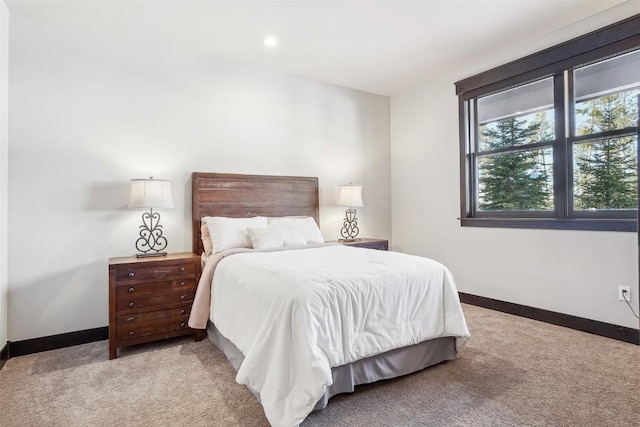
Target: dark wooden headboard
[{"x": 241, "y": 196}]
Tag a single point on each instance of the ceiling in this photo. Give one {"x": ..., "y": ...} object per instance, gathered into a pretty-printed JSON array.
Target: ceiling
[{"x": 383, "y": 47}]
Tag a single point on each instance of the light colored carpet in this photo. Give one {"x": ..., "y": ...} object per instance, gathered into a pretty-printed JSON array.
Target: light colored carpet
[{"x": 513, "y": 372}]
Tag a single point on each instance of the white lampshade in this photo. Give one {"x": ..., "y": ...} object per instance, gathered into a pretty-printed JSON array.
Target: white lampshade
[
  {"x": 150, "y": 193},
  {"x": 351, "y": 196}
]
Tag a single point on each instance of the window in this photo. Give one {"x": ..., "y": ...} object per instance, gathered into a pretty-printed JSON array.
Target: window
[
  {"x": 513, "y": 159},
  {"x": 604, "y": 136},
  {"x": 550, "y": 141}
]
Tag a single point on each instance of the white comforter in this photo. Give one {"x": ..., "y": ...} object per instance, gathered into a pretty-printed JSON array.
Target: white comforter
[{"x": 294, "y": 314}]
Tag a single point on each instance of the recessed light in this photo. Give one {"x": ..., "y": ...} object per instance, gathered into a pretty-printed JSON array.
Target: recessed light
[{"x": 271, "y": 41}]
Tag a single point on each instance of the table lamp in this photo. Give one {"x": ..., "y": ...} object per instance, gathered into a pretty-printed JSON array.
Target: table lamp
[
  {"x": 149, "y": 194},
  {"x": 350, "y": 196}
]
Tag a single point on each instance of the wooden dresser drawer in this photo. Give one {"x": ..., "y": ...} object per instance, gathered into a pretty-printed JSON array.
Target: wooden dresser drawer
[
  {"x": 152, "y": 327},
  {"x": 127, "y": 290},
  {"x": 152, "y": 300},
  {"x": 379, "y": 244},
  {"x": 155, "y": 272},
  {"x": 134, "y": 318}
]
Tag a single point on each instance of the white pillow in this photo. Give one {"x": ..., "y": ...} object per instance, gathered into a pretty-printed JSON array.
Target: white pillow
[
  {"x": 307, "y": 226},
  {"x": 272, "y": 238},
  {"x": 228, "y": 233},
  {"x": 274, "y": 218}
]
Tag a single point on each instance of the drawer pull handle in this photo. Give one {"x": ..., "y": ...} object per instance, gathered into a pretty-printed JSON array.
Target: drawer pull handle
[
  {"x": 132, "y": 274},
  {"x": 182, "y": 311},
  {"x": 181, "y": 283},
  {"x": 181, "y": 269},
  {"x": 182, "y": 297},
  {"x": 132, "y": 289},
  {"x": 131, "y": 304},
  {"x": 182, "y": 325},
  {"x": 130, "y": 318},
  {"x": 131, "y": 333}
]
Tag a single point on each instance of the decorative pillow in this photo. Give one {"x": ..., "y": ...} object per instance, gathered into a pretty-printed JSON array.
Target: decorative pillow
[
  {"x": 206, "y": 237},
  {"x": 272, "y": 238},
  {"x": 307, "y": 226},
  {"x": 228, "y": 233}
]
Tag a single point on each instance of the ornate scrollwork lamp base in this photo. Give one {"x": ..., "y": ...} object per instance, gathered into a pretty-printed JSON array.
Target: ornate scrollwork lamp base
[
  {"x": 350, "y": 226},
  {"x": 151, "y": 238}
]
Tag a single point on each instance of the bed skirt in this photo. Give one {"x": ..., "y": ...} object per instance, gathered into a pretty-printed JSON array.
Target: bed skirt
[{"x": 391, "y": 364}]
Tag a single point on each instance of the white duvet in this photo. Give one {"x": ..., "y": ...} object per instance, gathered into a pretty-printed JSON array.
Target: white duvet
[{"x": 294, "y": 314}]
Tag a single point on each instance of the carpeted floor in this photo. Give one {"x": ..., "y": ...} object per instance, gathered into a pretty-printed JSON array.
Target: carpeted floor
[{"x": 513, "y": 372}]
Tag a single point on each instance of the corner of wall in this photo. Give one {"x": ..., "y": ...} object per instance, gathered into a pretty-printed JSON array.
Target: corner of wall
[{"x": 4, "y": 150}]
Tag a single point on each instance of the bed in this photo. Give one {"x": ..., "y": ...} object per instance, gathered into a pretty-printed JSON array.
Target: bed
[{"x": 302, "y": 324}]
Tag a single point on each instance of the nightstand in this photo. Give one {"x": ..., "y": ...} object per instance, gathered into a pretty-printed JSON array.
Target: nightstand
[
  {"x": 150, "y": 298},
  {"x": 379, "y": 244}
]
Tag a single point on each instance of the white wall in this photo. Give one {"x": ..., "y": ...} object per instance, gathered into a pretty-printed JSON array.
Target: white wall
[
  {"x": 89, "y": 111},
  {"x": 4, "y": 141},
  {"x": 572, "y": 272}
]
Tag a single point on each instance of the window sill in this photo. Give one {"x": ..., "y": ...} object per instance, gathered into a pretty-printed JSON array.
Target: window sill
[{"x": 628, "y": 225}]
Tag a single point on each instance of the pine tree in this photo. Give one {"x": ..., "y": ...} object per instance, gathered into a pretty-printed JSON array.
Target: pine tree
[
  {"x": 606, "y": 175},
  {"x": 513, "y": 181}
]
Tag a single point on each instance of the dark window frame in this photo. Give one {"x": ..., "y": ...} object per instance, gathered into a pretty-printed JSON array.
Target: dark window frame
[{"x": 613, "y": 40}]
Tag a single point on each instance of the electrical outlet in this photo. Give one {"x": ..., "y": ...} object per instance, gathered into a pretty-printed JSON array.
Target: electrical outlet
[{"x": 624, "y": 293}]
